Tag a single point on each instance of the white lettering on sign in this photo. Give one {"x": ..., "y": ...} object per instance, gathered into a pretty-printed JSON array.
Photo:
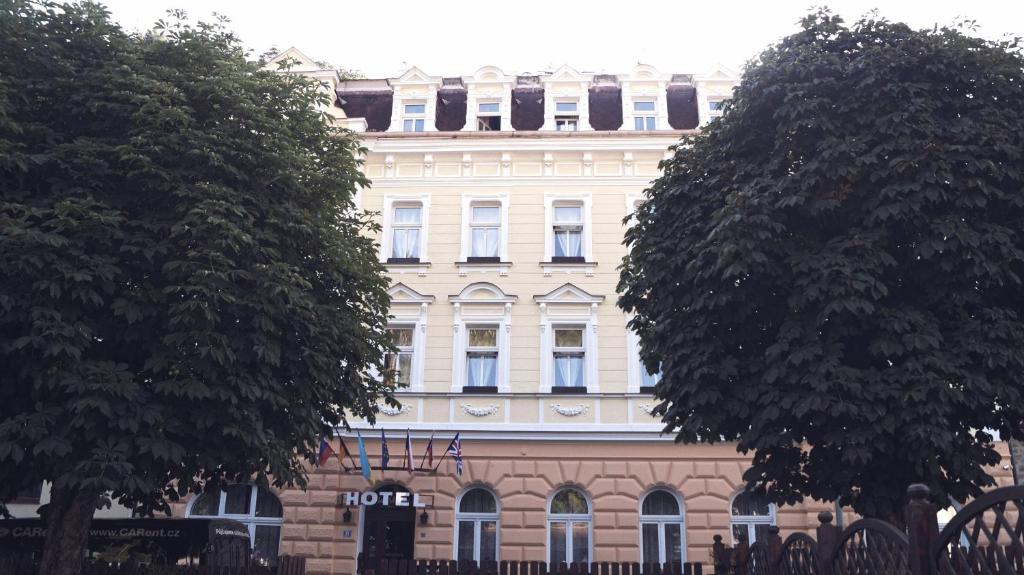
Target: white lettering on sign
[{"x": 384, "y": 498}]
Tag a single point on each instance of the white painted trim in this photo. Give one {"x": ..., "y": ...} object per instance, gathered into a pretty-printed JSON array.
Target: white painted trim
[
  {"x": 476, "y": 518},
  {"x": 549, "y": 320},
  {"x": 750, "y": 520},
  {"x": 468, "y": 200},
  {"x": 418, "y": 323},
  {"x": 462, "y": 142},
  {"x": 389, "y": 205},
  {"x": 513, "y": 182},
  {"x": 633, "y": 375},
  {"x": 583, "y": 199},
  {"x": 466, "y": 314},
  {"x": 250, "y": 520},
  {"x": 569, "y": 518},
  {"x": 661, "y": 521}
]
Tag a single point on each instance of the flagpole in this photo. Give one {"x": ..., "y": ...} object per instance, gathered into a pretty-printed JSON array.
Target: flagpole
[
  {"x": 347, "y": 452},
  {"x": 430, "y": 445},
  {"x": 445, "y": 454}
]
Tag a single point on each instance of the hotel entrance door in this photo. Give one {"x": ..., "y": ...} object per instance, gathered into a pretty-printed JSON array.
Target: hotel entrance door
[{"x": 388, "y": 532}]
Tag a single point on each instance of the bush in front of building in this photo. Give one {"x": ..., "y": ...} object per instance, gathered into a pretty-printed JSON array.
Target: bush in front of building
[
  {"x": 188, "y": 294},
  {"x": 831, "y": 274}
]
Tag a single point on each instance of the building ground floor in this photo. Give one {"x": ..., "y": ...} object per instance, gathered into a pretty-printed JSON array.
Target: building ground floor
[{"x": 517, "y": 499}]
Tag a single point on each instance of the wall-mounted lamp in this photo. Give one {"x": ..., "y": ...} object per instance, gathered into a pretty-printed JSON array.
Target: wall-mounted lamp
[
  {"x": 346, "y": 517},
  {"x": 423, "y": 518}
]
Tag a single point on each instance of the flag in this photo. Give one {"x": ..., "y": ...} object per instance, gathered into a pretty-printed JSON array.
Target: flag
[
  {"x": 455, "y": 450},
  {"x": 384, "y": 456},
  {"x": 430, "y": 451},
  {"x": 364, "y": 460},
  {"x": 408, "y": 452},
  {"x": 344, "y": 451},
  {"x": 326, "y": 452}
]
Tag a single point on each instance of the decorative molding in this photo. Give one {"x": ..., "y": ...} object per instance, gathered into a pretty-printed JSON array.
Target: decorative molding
[
  {"x": 647, "y": 408},
  {"x": 484, "y": 411},
  {"x": 569, "y": 410},
  {"x": 395, "y": 411}
]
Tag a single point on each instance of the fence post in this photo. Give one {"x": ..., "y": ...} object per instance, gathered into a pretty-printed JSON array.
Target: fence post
[
  {"x": 774, "y": 545},
  {"x": 721, "y": 556},
  {"x": 828, "y": 540},
  {"x": 922, "y": 529}
]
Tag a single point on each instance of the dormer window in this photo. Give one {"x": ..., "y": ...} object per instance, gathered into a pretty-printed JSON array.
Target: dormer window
[
  {"x": 413, "y": 117},
  {"x": 644, "y": 117},
  {"x": 488, "y": 117},
  {"x": 567, "y": 116}
]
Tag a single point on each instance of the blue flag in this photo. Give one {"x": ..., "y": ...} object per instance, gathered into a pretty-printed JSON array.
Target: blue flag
[
  {"x": 364, "y": 460},
  {"x": 384, "y": 456}
]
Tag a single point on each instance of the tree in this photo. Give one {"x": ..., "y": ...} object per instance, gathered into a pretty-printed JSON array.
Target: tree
[
  {"x": 831, "y": 274},
  {"x": 189, "y": 297}
]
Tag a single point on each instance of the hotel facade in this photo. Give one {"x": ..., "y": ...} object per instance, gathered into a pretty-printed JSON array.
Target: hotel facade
[{"x": 502, "y": 200}]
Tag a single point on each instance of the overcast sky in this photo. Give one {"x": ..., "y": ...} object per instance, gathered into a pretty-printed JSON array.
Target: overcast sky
[{"x": 381, "y": 38}]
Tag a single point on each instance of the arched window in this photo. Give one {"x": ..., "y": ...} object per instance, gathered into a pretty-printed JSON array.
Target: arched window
[
  {"x": 569, "y": 526},
  {"x": 259, "y": 509},
  {"x": 662, "y": 531},
  {"x": 751, "y": 517},
  {"x": 476, "y": 526}
]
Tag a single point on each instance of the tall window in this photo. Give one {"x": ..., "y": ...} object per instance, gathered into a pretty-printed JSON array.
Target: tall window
[
  {"x": 661, "y": 528},
  {"x": 399, "y": 365},
  {"x": 476, "y": 520},
  {"x": 716, "y": 106},
  {"x": 569, "y": 523},
  {"x": 406, "y": 225},
  {"x": 752, "y": 515},
  {"x": 568, "y": 233},
  {"x": 482, "y": 357},
  {"x": 488, "y": 116},
  {"x": 569, "y": 356},
  {"x": 413, "y": 117},
  {"x": 567, "y": 116},
  {"x": 647, "y": 379},
  {"x": 643, "y": 115},
  {"x": 485, "y": 232},
  {"x": 259, "y": 509}
]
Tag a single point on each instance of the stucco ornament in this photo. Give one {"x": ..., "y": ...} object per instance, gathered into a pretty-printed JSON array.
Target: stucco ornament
[
  {"x": 484, "y": 411},
  {"x": 569, "y": 410},
  {"x": 646, "y": 408},
  {"x": 395, "y": 411}
]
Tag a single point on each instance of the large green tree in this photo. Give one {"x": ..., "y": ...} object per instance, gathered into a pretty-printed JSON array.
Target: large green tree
[
  {"x": 832, "y": 274},
  {"x": 187, "y": 294}
]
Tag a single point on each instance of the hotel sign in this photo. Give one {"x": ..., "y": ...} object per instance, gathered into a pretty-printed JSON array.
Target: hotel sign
[{"x": 381, "y": 498}]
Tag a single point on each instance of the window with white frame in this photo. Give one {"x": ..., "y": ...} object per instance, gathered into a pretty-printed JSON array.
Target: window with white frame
[
  {"x": 567, "y": 116},
  {"x": 413, "y": 117},
  {"x": 484, "y": 232},
  {"x": 569, "y": 527},
  {"x": 476, "y": 526},
  {"x": 644, "y": 117},
  {"x": 751, "y": 516},
  {"x": 647, "y": 379},
  {"x": 488, "y": 116},
  {"x": 399, "y": 363},
  {"x": 569, "y": 356},
  {"x": 716, "y": 106},
  {"x": 482, "y": 356},
  {"x": 567, "y": 232},
  {"x": 661, "y": 528},
  {"x": 406, "y": 232},
  {"x": 257, "y": 508}
]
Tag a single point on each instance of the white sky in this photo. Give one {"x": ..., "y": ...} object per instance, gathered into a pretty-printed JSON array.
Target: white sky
[{"x": 382, "y": 38}]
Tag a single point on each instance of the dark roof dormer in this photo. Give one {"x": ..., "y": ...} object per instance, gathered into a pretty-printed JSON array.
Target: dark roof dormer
[
  {"x": 605, "y": 97},
  {"x": 451, "y": 105},
  {"x": 528, "y": 103}
]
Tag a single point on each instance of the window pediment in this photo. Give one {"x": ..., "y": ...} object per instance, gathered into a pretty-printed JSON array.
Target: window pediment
[
  {"x": 401, "y": 293},
  {"x": 482, "y": 292},
  {"x": 568, "y": 294}
]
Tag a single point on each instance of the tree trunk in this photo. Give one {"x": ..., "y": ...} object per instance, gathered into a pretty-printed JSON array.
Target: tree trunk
[{"x": 67, "y": 517}]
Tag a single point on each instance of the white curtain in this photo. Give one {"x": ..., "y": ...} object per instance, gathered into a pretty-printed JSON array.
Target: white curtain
[
  {"x": 406, "y": 243},
  {"x": 485, "y": 242},
  {"x": 567, "y": 244},
  {"x": 483, "y": 371},
  {"x": 569, "y": 371}
]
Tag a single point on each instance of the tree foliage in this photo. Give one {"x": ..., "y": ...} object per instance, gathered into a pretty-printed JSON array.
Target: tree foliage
[
  {"x": 831, "y": 274},
  {"x": 188, "y": 296}
]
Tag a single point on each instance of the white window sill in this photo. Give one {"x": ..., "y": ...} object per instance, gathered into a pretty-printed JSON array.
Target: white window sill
[
  {"x": 500, "y": 268},
  {"x": 586, "y": 268},
  {"x": 419, "y": 268}
]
